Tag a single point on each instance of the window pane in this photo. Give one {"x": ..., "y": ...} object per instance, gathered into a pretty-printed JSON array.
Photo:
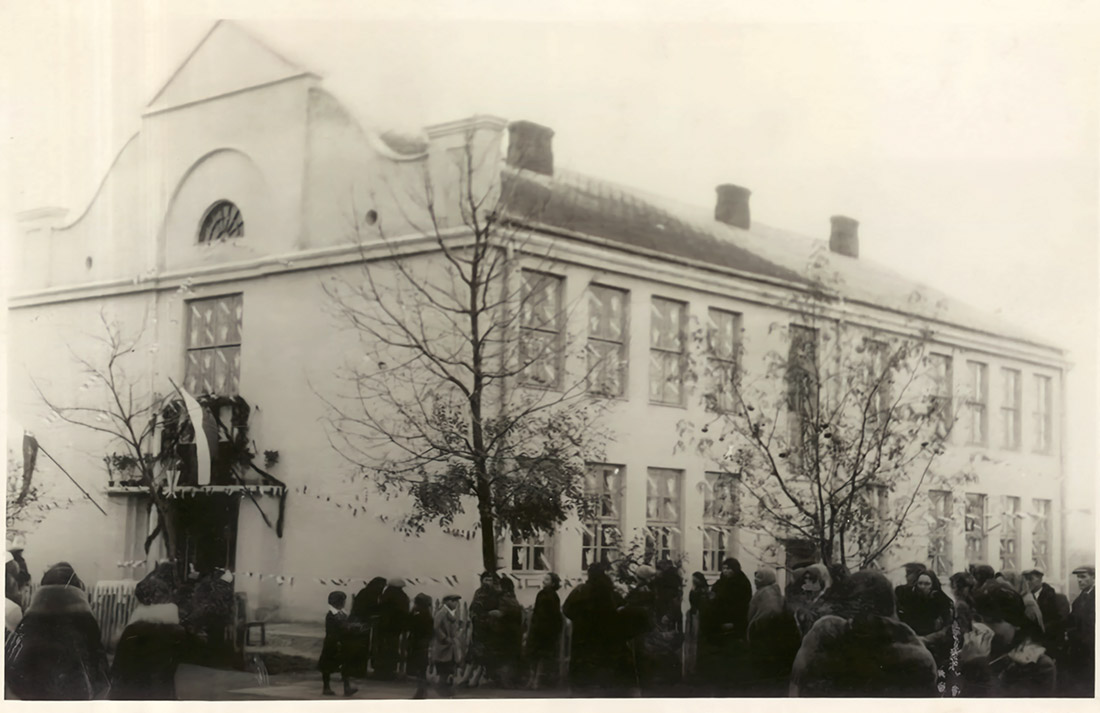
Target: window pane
[
  {"x": 666, "y": 324},
  {"x": 605, "y": 312}
]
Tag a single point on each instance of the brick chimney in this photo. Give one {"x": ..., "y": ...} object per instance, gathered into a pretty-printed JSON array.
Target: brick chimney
[
  {"x": 732, "y": 207},
  {"x": 530, "y": 147},
  {"x": 844, "y": 238}
]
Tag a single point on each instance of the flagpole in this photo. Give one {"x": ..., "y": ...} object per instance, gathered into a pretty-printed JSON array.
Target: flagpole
[{"x": 72, "y": 479}]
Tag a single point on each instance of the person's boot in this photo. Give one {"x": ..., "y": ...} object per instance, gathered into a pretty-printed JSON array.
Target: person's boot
[
  {"x": 348, "y": 690},
  {"x": 326, "y": 689}
]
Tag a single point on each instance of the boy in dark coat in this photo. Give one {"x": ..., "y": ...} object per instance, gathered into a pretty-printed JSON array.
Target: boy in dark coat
[
  {"x": 55, "y": 653},
  {"x": 332, "y": 651},
  {"x": 149, "y": 650}
]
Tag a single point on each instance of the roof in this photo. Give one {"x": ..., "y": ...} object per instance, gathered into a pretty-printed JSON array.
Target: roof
[{"x": 635, "y": 219}]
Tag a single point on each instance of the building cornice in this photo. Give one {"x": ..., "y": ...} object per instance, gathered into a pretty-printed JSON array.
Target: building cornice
[{"x": 582, "y": 251}]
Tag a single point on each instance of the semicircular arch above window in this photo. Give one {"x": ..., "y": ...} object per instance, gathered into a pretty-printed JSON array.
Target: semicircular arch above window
[{"x": 222, "y": 220}]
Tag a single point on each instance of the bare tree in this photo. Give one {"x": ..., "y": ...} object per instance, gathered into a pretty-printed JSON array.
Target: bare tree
[
  {"x": 462, "y": 393},
  {"x": 119, "y": 405},
  {"x": 836, "y": 442}
]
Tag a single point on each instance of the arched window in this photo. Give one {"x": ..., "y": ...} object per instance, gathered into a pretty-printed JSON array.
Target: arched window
[{"x": 222, "y": 220}]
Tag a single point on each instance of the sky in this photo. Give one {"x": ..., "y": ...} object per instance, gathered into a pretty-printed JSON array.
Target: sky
[{"x": 963, "y": 140}]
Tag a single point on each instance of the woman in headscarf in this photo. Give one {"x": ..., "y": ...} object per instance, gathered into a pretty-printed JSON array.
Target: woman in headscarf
[
  {"x": 149, "y": 651},
  {"x": 544, "y": 634},
  {"x": 364, "y": 610},
  {"x": 773, "y": 636},
  {"x": 56, "y": 653},
  {"x": 929, "y": 609},
  {"x": 811, "y": 585},
  {"x": 725, "y": 624},
  {"x": 508, "y": 634},
  {"x": 863, "y": 650}
]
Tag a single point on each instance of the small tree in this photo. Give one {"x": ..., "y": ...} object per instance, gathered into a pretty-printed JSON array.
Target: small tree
[
  {"x": 835, "y": 442},
  {"x": 461, "y": 393},
  {"x": 146, "y": 427}
]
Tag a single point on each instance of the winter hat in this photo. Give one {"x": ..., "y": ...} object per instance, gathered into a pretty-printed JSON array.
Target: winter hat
[
  {"x": 395, "y": 582},
  {"x": 62, "y": 573},
  {"x": 765, "y": 576},
  {"x": 644, "y": 573}
]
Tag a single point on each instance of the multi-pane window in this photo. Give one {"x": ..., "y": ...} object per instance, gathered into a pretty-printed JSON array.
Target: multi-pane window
[
  {"x": 1044, "y": 420},
  {"x": 603, "y": 534},
  {"x": 975, "y": 528},
  {"x": 667, "y": 322},
  {"x": 532, "y": 555},
  {"x": 607, "y": 340},
  {"x": 662, "y": 513},
  {"x": 1010, "y": 409},
  {"x": 541, "y": 327},
  {"x": 222, "y": 220},
  {"x": 977, "y": 401},
  {"x": 942, "y": 401},
  {"x": 723, "y": 336},
  {"x": 213, "y": 364},
  {"x": 879, "y": 403},
  {"x": 939, "y": 532},
  {"x": 1040, "y": 535},
  {"x": 720, "y": 514},
  {"x": 802, "y": 379},
  {"x": 1010, "y": 534}
]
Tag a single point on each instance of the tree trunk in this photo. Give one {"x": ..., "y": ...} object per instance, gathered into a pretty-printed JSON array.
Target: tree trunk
[{"x": 488, "y": 543}]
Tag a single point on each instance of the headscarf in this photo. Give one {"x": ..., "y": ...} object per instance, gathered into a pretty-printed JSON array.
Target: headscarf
[{"x": 765, "y": 576}]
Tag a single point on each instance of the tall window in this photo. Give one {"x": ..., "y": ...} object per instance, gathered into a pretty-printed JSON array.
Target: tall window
[
  {"x": 542, "y": 325},
  {"x": 1010, "y": 534},
  {"x": 942, "y": 401},
  {"x": 603, "y": 534},
  {"x": 879, "y": 354},
  {"x": 720, "y": 514},
  {"x": 1040, "y": 535},
  {"x": 723, "y": 336},
  {"x": 802, "y": 381},
  {"x": 532, "y": 555},
  {"x": 975, "y": 528},
  {"x": 939, "y": 532},
  {"x": 667, "y": 321},
  {"x": 977, "y": 401},
  {"x": 1044, "y": 419},
  {"x": 1010, "y": 409},
  {"x": 662, "y": 513},
  {"x": 607, "y": 360},
  {"x": 213, "y": 364}
]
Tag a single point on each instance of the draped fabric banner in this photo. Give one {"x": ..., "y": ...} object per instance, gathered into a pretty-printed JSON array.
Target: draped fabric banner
[
  {"x": 30, "y": 456},
  {"x": 205, "y": 432}
]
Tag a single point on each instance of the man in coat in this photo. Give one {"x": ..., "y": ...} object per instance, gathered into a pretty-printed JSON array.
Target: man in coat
[
  {"x": 393, "y": 619},
  {"x": 904, "y": 594},
  {"x": 1054, "y": 608},
  {"x": 724, "y": 625},
  {"x": 1081, "y": 636},
  {"x": 599, "y": 661},
  {"x": 446, "y": 649},
  {"x": 55, "y": 653}
]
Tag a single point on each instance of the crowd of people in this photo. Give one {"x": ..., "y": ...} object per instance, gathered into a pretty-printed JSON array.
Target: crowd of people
[
  {"x": 53, "y": 644},
  {"x": 828, "y": 633}
]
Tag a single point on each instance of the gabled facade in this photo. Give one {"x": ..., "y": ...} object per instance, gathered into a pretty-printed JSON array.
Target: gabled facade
[{"x": 249, "y": 185}]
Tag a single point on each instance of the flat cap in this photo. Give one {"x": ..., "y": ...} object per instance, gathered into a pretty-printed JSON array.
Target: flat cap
[
  {"x": 1086, "y": 569},
  {"x": 1035, "y": 572}
]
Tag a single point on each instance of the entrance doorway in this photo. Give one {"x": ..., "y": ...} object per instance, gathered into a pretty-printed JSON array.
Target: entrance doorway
[{"x": 207, "y": 531}]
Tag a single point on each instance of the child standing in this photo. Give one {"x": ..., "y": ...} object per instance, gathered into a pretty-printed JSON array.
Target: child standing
[
  {"x": 332, "y": 652},
  {"x": 446, "y": 644}
]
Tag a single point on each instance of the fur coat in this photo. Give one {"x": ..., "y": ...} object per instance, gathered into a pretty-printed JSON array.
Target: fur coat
[
  {"x": 55, "y": 653},
  {"x": 147, "y": 655}
]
